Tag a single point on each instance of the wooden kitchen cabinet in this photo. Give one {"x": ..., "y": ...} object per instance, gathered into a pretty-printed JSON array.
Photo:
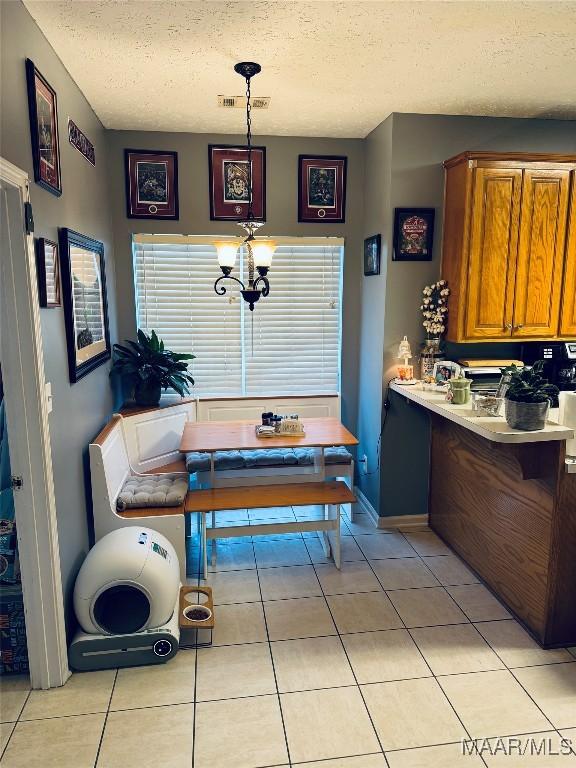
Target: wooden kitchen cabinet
[
  {"x": 568, "y": 311},
  {"x": 505, "y": 253}
]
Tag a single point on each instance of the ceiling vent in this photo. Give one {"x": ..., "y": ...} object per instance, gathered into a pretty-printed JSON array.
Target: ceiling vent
[{"x": 239, "y": 102}]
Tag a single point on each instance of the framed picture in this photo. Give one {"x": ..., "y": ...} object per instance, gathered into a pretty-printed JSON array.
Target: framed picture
[
  {"x": 444, "y": 370},
  {"x": 83, "y": 282},
  {"x": 372, "y": 255},
  {"x": 151, "y": 184},
  {"x": 321, "y": 188},
  {"x": 48, "y": 271},
  {"x": 413, "y": 234},
  {"x": 43, "y": 112},
  {"x": 228, "y": 177},
  {"x": 81, "y": 142}
]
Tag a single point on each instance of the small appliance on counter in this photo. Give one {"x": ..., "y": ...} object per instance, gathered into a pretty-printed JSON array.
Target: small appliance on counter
[
  {"x": 485, "y": 373},
  {"x": 559, "y": 362}
]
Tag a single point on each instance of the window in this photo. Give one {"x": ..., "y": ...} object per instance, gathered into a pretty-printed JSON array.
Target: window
[{"x": 289, "y": 345}]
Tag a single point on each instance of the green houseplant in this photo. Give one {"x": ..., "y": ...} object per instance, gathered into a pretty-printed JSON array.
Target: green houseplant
[
  {"x": 150, "y": 368},
  {"x": 528, "y": 396}
]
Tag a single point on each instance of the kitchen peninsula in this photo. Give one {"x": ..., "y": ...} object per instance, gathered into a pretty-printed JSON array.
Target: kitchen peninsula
[{"x": 505, "y": 501}]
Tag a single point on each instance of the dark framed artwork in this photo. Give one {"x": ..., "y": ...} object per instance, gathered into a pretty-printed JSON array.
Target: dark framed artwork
[
  {"x": 413, "y": 234},
  {"x": 48, "y": 271},
  {"x": 228, "y": 178},
  {"x": 372, "y": 255},
  {"x": 322, "y": 188},
  {"x": 151, "y": 184},
  {"x": 81, "y": 142},
  {"x": 83, "y": 281},
  {"x": 43, "y": 113}
]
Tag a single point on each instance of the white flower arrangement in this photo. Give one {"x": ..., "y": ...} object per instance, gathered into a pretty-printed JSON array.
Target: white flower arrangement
[{"x": 434, "y": 309}]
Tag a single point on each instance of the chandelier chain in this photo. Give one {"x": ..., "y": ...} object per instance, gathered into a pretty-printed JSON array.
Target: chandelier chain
[{"x": 249, "y": 142}]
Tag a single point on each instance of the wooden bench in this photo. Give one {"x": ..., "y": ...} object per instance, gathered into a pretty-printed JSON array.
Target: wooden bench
[{"x": 330, "y": 494}]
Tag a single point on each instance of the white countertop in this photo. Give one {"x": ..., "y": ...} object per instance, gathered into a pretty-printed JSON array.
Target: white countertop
[{"x": 492, "y": 428}]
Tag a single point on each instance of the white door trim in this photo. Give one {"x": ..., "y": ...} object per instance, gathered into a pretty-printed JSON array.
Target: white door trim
[{"x": 29, "y": 438}]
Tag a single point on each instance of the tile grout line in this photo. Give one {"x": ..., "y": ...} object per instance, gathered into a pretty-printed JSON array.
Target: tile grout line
[
  {"x": 97, "y": 758},
  {"x": 3, "y": 751},
  {"x": 279, "y": 699}
]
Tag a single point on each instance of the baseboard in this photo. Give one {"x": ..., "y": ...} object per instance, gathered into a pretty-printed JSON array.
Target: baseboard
[
  {"x": 396, "y": 521},
  {"x": 403, "y": 521},
  {"x": 366, "y": 506}
]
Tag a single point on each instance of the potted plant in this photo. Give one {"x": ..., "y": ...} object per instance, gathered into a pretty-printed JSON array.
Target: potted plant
[
  {"x": 151, "y": 368},
  {"x": 528, "y": 396}
]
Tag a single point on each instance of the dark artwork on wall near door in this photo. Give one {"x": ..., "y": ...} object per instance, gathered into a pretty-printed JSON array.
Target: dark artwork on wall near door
[
  {"x": 43, "y": 113},
  {"x": 372, "y": 255},
  {"x": 48, "y": 271},
  {"x": 229, "y": 180},
  {"x": 151, "y": 184},
  {"x": 321, "y": 188},
  {"x": 85, "y": 306},
  {"x": 81, "y": 142},
  {"x": 413, "y": 234}
]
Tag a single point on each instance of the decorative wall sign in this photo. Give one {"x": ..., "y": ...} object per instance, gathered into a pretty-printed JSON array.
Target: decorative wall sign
[
  {"x": 81, "y": 142},
  {"x": 48, "y": 271},
  {"x": 413, "y": 234},
  {"x": 321, "y": 188},
  {"x": 372, "y": 255},
  {"x": 228, "y": 175},
  {"x": 85, "y": 305},
  {"x": 151, "y": 184},
  {"x": 43, "y": 112}
]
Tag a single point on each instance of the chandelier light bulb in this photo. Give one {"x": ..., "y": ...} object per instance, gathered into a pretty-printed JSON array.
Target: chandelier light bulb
[
  {"x": 227, "y": 251},
  {"x": 263, "y": 251}
]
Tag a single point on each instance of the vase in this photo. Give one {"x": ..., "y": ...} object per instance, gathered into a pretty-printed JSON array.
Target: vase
[
  {"x": 147, "y": 393},
  {"x": 429, "y": 357},
  {"x": 526, "y": 416}
]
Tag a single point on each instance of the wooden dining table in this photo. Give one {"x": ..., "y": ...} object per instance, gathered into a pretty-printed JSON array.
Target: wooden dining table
[{"x": 319, "y": 433}]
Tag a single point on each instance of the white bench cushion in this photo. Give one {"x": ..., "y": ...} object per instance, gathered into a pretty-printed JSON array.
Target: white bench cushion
[{"x": 152, "y": 491}]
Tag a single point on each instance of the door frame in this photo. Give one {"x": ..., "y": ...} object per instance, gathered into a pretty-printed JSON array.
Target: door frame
[{"x": 29, "y": 442}]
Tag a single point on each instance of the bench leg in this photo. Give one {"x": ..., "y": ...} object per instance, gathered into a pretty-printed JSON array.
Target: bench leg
[
  {"x": 204, "y": 546},
  {"x": 213, "y": 552},
  {"x": 336, "y": 549},
  {"x": 323, "y": 535},
  {"x": 350, "y": 483}
]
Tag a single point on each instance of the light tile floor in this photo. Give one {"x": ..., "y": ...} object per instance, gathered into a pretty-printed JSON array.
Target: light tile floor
[{"x": 388, "y": 663}]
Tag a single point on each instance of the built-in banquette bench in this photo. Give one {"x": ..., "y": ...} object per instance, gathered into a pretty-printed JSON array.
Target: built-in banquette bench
[{"x": 143, "y": 441}]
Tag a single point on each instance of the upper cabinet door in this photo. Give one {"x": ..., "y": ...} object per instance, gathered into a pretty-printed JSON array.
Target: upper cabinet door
[
  {"x": 568, "y": 314},
  {"x": 493, "y": 248},
  {"x": 540, "y": 268}
]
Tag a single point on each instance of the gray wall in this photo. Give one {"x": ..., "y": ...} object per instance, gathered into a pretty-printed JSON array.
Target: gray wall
[
  {"x": 281, "y": 209},
  {"x": 80, "y": 409},
  {"x": 419, "y": 145}
]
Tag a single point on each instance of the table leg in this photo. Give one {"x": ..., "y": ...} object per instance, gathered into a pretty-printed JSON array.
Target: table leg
[
  {"x": 336, "y": 549},
  {"x": 204, "y": 546},
  {"x": 323, "y": 535}
]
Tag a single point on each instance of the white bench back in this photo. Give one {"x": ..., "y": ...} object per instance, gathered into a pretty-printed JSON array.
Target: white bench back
[{"x": 109, "y": 465}]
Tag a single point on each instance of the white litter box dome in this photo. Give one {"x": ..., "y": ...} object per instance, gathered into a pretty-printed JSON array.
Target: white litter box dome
[{"x": 128, "y": 583}]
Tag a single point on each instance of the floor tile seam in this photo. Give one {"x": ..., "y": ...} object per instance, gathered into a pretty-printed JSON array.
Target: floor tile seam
[
  {"x": 278, "y": 699},
  {"x": 101, "y": 739},
  {"x": 521, "y": 666},
  {"x": 23, "y": 707},
  {"x": 358, "y": 687},
  {"x": 544, "y": 715}
]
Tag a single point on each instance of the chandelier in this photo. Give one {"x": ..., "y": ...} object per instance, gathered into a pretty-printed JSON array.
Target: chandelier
[{"x": 260, "y": 251}]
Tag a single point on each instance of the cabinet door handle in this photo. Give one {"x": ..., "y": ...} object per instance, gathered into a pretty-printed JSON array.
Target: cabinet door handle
[
  {"x": 508, "y": 326},
  {"x": 520, "y": 325}
]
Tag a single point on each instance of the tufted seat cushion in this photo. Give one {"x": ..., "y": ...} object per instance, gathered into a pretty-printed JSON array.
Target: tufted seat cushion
[
  {"x": 152, "y": 491},
  {"x": 264, "y": 457}
]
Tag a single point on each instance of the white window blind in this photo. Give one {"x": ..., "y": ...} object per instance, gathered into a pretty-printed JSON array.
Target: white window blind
[{"x": 289, "y": 345}]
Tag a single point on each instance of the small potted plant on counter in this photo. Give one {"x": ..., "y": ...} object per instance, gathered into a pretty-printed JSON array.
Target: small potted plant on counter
[
  {"x": 528, "y": 397},
  {"x": 150, "y": 368}
]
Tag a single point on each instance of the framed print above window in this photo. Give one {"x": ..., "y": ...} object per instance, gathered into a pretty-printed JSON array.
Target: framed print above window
[
  {"x": 372, "y": 255},
  {"x": 321, "y": 188},
  {"x": 48, "y": 271},
  {"x": 43, "y": 113},
  {"x": 151, "y": 184},
  {"x": 413, "y": 234},
  {"x": 229, "y": 185},
  {"x": 83, "y": 282}
]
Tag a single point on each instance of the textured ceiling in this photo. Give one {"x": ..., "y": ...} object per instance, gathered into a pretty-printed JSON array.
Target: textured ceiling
[{"x": 331, "y": 68}]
